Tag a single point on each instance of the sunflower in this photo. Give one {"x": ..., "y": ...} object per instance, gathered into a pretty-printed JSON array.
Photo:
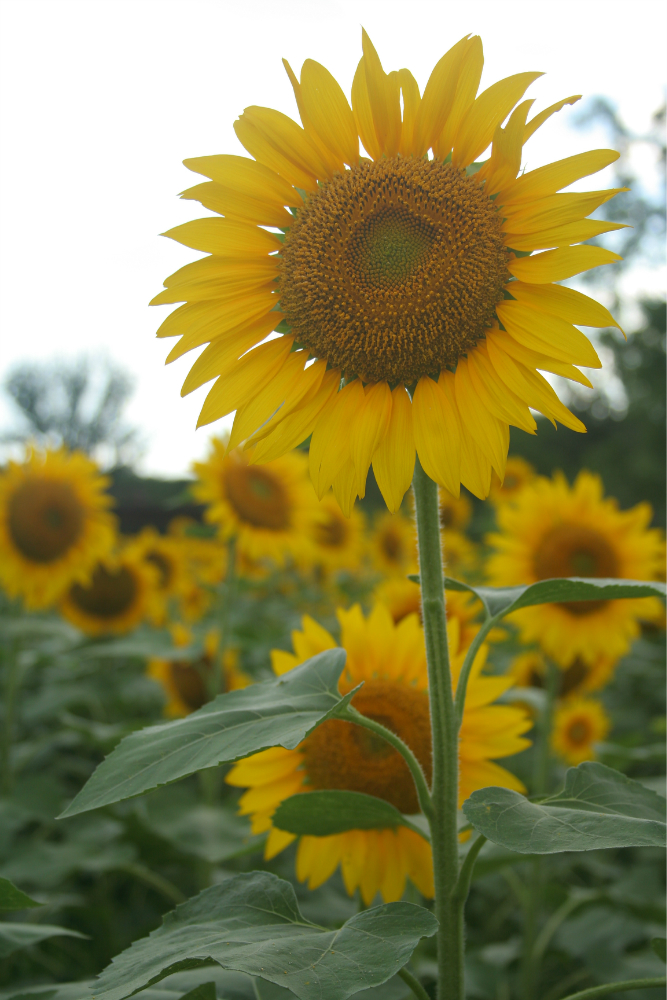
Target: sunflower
[
  {"x": 403, "y": 597},
  {"x": 391, "y": 660},
  {"x": 337, "y": 541},
  {"x": 410, "y": 315},
  {"x": 554, "y": 530},
  {"x": 518, "y": 473},
  {"x": 168, "y": 556},
  {"x": 460, "y": 556},
  {"x": 121, "y": 593},
  {"x": 455, "y": 512},
  {"x": 393, "y": 545},
  {"x": 184, "y": 682},
  {"x": 54, "y": 524},
  {"x": 529, "y": 670},
  {"x": 267, "y": 509},
  {"x": 579, "y": 723}
]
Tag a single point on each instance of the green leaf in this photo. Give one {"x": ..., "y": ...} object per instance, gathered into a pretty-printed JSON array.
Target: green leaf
[
  {"x": 597, "y": 808},
  {"x": 12, "y": 898},
  {"x": 503, "y": 600},
  {"x": 659, "y": 947},
  {"x": 204, "y": 992},
  {"x": 16, "y": 936},
  {"x": 251, "y": 923},
  {"x": 320, "y": 813},
  {"x": 279, "y": 712}
]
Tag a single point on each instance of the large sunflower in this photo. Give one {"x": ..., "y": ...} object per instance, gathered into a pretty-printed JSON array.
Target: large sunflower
[
  {"x": 54, "y": 524},
  {"x": 410, "y": 316},
  {"x": 121, "y": 593},
  {"x": 554, "y": 530},
  {"x": 267, "y": 509},
  {"x": 391, "y": 660}
]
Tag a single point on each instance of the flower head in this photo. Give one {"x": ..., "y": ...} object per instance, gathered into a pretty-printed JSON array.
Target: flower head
[
  {"x": 579, "y": 723},
  {"x": 121, "y": 593}
]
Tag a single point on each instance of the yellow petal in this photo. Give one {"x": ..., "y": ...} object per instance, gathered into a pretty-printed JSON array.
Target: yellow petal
[
  {"x": 247, "y": 377},
  {"x": 384, "y": 97},
  {"x": 345, "y": 487},
  {"x": 505, "y": 160},
  {"x": 554, "y": 210},
  {"x": 411, "y": 101},
  {"x": 325, "y": 860},
  {"x": 551, "y": 178},
  {"x": 557, "y": 265},
  {"x": 216, "y": 288},
  {"x": 328, "y": 111},
  {"x": 489, "y": 433},
  {"x": 548, "y": 403},
  {"x": 227, "y": 349},
  {"x": 437, "y": 436},
  {"x": 302, "y": 390},
  {"x": 224, "y": 269},
  {"x": 567, "y": 303},
  {"x": 438, "y": 98},
  {"x": 466, "y": 91},
  {"x": 369, "y": 430},
  {"x": 499, "y": 396},
  {"x": 543, "y": 116},
  {"x": 276, "y": 842},
  {"x": 394, "y": 460},
  {"x": 246, "y": 177},
  {"x": 534, "y": 359},
  {"x": 263, "y": 405},
  {"x": 330, "y": 443},
  {"x": 225, "y": 237},
  {"x": 561, "y": 236},
  {"x": 235, "y": 205},
  {"x": 278, "y": 152},
  {"x": 547, "y": 333},
  {"x": 282, "y": 662},
  {"x": 489, "y": 110},
  {"x": 363, "y": 116},
  {"x": 298, "y": 424},
  {"x": 216, "y": 319},
  {"x": 330, "y": 161}
]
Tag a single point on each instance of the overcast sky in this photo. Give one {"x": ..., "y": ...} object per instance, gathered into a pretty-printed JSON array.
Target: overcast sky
[{"x": 103, "y": 99}]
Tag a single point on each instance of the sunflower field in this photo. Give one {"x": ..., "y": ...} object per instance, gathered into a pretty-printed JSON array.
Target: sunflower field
[{"x": 377, "y": 708}]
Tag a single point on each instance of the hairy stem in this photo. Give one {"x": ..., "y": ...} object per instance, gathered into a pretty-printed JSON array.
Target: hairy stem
[
  {"x": 444, "y": 731},
  {"x": 593, "y": 992},
  {"x": 414, "y": 984}
]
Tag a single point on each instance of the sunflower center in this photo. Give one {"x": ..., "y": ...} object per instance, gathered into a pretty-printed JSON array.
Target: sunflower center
[
  {"x": 341, "y": 755},
  {"x": 163, "y": 566},
  {"x": 110, "y": 593},
  {"x": 575, "y": 550},
  {"x": 188, "y": 679},
  {"x": 392, "y": 546},
  {"x": 579, "y": 732},
  {"x": 45, "y": 519},
  {"x": 257, "y": 497},
  {"x": 393, "y": 269},
  {"x": 331, "y": 533}
]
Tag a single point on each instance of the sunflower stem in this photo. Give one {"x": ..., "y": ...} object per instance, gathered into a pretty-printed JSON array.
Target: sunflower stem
[
  {"x": 12, "y": 680},
  {"x": 462, "y": 684},
  {"x": 350, "y": 714},
  {"x": 444, "y": 733},
  {"x": 217, "y": 676},
  {"x": 594, "y": 992},
  {"x": 414, "y": 984}
]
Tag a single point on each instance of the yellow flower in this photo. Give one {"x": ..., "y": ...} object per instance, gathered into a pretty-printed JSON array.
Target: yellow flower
[
  {"x": 391, "y": 660},
  {"x": 391, "y": 273},
  {"x": 266, "y": 508},
  {"x": 455, "y": 512},
  {"x": 168, "y": 555},
  {"x": 579, "y": 723},
  {"x": 518, "y": 473},
  {"x": 54, "y": 524},
  {"x": 529, "y": 670},
  {"x": 185, "y": 682},
  {"x": 393, "y": 545},
  {"x": 403, "y": 597},
  {"x": 121, "y": 593},
  {"x": 337, "y": 541},
  {"x": 554, "y": 530}
]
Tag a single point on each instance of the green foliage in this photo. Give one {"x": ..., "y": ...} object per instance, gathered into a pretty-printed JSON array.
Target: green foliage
[
  {"x": 252, "y": 923},
  {"x": 325, "y": 812},
  {"x": 15, "y": 936},
  {"x": 12, "y": 898},
  {"x": 597, "y": 808}
]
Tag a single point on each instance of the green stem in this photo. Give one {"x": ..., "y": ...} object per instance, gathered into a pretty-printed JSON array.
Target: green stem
[
  {"x": 12, "y": 679},
  {"x": 155, "y": 881},
  {"x": 217, "y": 676},
  {"x": 553, "y": 923},
  {"x": 350, "y": 714},
  {"x": 462, "y": 684},
  {"x": 444, "y": 730},
  {"x": 414, "y": 984},
  {"x": 465, "y": 875},
  {"x": 543, "y": 748},
  {"x": 593, "y": 992}
]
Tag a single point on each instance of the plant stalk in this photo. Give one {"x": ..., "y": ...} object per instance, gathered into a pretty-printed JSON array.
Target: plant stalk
[
  {"x": 414, "y": 984},
  {"x": 12, "y": 678},
  {"x": 444, "y": 732}
]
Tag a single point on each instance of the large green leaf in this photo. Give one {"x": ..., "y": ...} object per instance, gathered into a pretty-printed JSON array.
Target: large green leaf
[
  {"x": 12, "y": 898},
  {"x": 16, "y": 936},
  {"x": 320, "y": 813},
  {"x": 251, "y": 923},
  {"x": 598, "y": 807},
  {"x": 503, "y": 600},
  {"x": 279, "y": 712}
]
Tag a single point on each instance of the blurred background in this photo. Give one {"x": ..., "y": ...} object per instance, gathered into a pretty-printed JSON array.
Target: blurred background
[{"x": 102, "y": 100}]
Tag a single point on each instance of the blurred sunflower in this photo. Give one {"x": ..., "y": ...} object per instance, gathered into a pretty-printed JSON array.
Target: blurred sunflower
[
  {"x": 168, "y": 556},
  {"x": 529, "y": 670},
  {"x": 455, "y": 512},
  {"x": 391, "y": 660},
  {"x": 579, "y": 723},
  {"x": 187, "y": 682},
  {"x": 54, "y": 524},
  {"x": 267, "y": 509},
  {"x": 389, "y": 272},
  {"x": 120, "y": 594},
  {"x": 518, "y": 473},
  {"x": 460, "y": 555},
  {"x": 337, "y": 541},
  {"x": 403, "y": 597},
  {"x": 393, "y": 545},
  {"x": 554, "y": 530}
]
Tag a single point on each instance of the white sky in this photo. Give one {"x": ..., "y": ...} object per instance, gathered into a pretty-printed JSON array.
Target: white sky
[{"x": 103, "y": 99}]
